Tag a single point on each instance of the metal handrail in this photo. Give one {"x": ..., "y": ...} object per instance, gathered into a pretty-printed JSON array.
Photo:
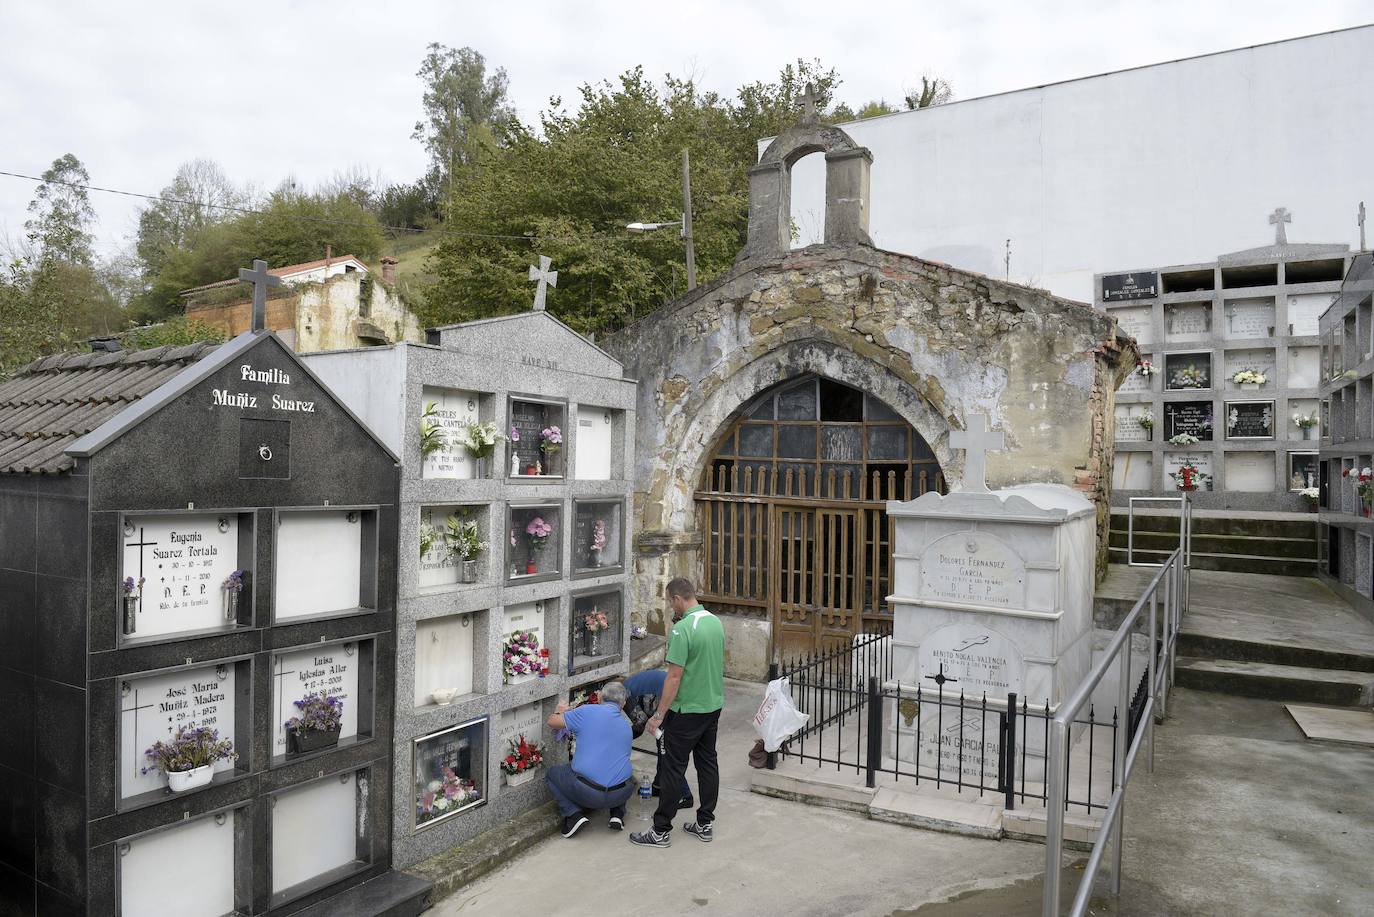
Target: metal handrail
[
  {"x": 1172, "y": 582},
  {"x": 1185, "y": 530}
]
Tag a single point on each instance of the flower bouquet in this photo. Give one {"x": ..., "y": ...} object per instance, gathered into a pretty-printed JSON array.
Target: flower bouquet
[
  {"x": 232, "y": 587},
  {"x": 550, "y": 440},
  {"x": 1188, "y": 377},
  {"x": 1364, "y": 486},
  {"x": 1147, "y": 422},
  {"x": 538, "y": 532},
  {"x": 522, "y": 759},
  {"x": 1311, "y": 496},
  {"x": 1183, "y": 439},
  {"x": 480, "y": 439},
  {"x": 522, "y": 658},
  {"x": 593, "y": 623},
  {"x": 189, "y": 758},
  {"x": 445, "y": 796},
  {"x": 463, "y": 540},
  {"x": 1146, "y": 369},
  {"x": 598, "y": 542},
  {"x": 317, "y": 725},
  {"x": 432, "y": 436},
  {"x": 1189, "y": 477},
  {"x": 1307, "y": 423},
  {"x": 1249, "y": 378}
]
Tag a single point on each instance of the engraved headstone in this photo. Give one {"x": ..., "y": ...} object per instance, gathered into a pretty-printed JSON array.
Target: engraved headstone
[
  {"x": 1249, "y": 420},
  {"x": 328, "y": 669},
  {"x": 1250, "y": 472},
  {"x": 972, "y": 568},
  {"x": 453, "y": 411},
  {"x": 1137, "y": 322},
  {"x": 1202, "y": 461},
  {"x": 1127, "y": 428},
  {"x": 1193, "y": 418},
  {"x": 183, "y": 560},
  {"x": 155, "y": 707},
  {"x": 1185, "y": 321},
  {"x": 1249, "y": 318},
  {"x": 1255, "y": 360},
  {"x": 1302, "y": 470}
]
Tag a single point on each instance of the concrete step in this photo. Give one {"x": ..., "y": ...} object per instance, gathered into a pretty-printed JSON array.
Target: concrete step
[
  {"x": 1276, "y": 682},
  {"x": 1239, "y": 649},
  {"x": 1296, "y": 525},
  {"x": 1246, "y": 545},
  {"x": 393, "y": 894},
  {"x": 1234, "y": 563}
]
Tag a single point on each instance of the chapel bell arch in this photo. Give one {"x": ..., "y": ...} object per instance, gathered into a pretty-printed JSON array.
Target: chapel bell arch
[{"x": 791, "y": 506}]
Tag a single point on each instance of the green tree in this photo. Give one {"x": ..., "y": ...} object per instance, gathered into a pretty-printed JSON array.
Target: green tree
[
  {"x": 175, "y": 331},
  {"x": 933, "y": 90},
  {"x": 570, "y": 187},
  {"x": 466, "y": 110},
  {"x": 199, "y": 195},
  {"x": 59, "y": 227}
]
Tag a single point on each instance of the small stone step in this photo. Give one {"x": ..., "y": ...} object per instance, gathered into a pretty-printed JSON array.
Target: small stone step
[
  {"x": 1210, "y": 645},
  {"x": 1276, "y": 682},
  {"x": 392, "y": 894}
]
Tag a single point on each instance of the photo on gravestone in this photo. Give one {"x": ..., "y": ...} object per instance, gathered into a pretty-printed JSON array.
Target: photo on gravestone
[
  {"x": 319, "y": 830},
  {"x": 1137, "y": 322},
  {"x": 537, "y": 433},
  {"x": 1200, "y": 463},
  {"x": 1184, "y": 371},
  {"x": 1248, "y": 318},
  {"x": 1302, "y": 470},
  {"x": 598, "y": 537},
  {"x": 444, "y": 659},
  {"x": 303, "y": 678},
  {"x": 972, "y": 568},
  {"x": 449, "y": 771},
  {"x": 325, "y": 563},
  {"x": 596, "y": 430},
  {"x": 1187, "y": 321},
  {"x": 524, "y": 650},
  {"x": 534, "y": 542},
  {"x": 1188, "y": 419},
  {"x": 177, "y": 575},
  {"x": 444, "y": 418},
  {"x": 596, "y": 629},
  {"x": 1138, "y": 285},
  {"x": 1249, "y": 420},
  {"x": 169, "y": 707},
  {"x": 205, "y": 857},
  {"x": 453, "y": 546}
]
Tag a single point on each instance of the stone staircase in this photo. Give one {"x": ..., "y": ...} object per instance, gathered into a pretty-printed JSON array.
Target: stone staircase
[{"x": 1284, "y": 544}]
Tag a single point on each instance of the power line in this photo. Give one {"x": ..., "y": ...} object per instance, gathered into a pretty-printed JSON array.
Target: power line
[{"x": 308, "y": 219}]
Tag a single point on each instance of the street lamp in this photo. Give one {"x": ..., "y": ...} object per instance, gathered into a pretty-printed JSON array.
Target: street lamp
[{"x": 684, "y": 225}]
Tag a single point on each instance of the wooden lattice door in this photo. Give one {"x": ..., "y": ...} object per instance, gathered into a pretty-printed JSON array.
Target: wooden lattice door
[{"x": 817, "y": 587}]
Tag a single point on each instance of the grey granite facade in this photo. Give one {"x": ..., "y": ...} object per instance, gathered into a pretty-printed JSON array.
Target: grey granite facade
[{"x": 507, "y": 371}]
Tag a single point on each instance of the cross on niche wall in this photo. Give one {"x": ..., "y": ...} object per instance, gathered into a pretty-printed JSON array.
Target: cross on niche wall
[
  {"x": 976, "y": 441},
  {"x": 1277, "y": 219}
]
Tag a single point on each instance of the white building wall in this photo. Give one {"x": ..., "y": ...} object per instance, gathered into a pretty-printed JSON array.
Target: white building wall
[{"x": 1174, "y": 163}]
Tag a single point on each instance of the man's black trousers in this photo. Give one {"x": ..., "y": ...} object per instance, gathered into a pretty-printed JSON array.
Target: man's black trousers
[{"x": 687, "y": 734}]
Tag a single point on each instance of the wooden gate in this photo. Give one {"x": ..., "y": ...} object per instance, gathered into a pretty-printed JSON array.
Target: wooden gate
[{"x": 816, "y": 577}]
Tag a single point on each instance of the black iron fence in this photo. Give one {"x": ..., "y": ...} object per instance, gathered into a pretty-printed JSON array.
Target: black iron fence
[{"x": 864, "y": 721}]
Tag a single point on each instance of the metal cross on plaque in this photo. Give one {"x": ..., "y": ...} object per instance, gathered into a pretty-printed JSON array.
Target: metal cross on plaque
[
  {"x": 260, "y": 280},
  {"x": 1277, "y": 219},
  {"x": 976, "y": 441},
  {"x": 941, "y": 679},
  {"x": 545, "y": 278}
]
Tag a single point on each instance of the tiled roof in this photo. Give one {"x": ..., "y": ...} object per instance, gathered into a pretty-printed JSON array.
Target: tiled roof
[
  {"x": 288, "y": 271},
  {"x": 54, "y": 401}
]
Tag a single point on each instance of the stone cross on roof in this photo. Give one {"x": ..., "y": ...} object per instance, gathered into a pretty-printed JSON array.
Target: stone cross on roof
[
  {"x": 260, "y": 280},
  {"x": 1277, "y": 219},
  {"x": 545, "y": 278},
  {"x": 809, "y": 115},
  {"x": 976, "y": 441}
]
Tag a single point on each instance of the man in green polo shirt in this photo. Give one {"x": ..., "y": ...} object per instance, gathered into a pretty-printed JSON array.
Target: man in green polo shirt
[{"x": 689, "y": 712}]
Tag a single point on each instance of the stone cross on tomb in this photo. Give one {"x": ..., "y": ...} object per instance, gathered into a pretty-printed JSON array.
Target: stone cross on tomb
[
  {"x": 976, "y": 441},
  {"x": 809, "y": 115},
  {"x": 545, "y": 278},
  {"x": 260, "y": 280},
  {"x": 1277, "y": 219}
]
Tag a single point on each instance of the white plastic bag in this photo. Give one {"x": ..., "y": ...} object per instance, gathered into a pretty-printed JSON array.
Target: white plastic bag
[{"x": 778, "y": 718}]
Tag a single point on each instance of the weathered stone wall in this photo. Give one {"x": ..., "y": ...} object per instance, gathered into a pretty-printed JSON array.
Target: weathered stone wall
[{"x": 932, "y": 342}]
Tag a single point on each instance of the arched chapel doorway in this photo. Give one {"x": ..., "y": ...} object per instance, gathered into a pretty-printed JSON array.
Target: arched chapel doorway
[{"x": 791, "y": 507}]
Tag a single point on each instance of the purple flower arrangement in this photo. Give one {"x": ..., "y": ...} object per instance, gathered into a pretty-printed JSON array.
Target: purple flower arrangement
[
  {"x": 233, "y": 582},
  {"x": 449, "y": 793},
  {"x": 319, "y": 712},
  {"x": 538, "y": 532},
  {"x": 130, "y": 587},
  {"x": 521, "y": 655},
  {"x": 190, "y": 748},
  {"x": 550, "y": 440}
]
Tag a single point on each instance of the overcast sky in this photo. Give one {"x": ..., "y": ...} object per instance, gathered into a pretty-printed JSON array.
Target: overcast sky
[{"x": 270, "y": 89}]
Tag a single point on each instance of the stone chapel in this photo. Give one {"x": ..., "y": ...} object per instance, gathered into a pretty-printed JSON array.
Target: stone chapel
[{"x": 783, "y": 404}]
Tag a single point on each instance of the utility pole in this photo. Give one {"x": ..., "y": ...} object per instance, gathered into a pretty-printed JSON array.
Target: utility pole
[
  {"x": 687, "y": 220},
  {"x": 1008, "y": 259}
]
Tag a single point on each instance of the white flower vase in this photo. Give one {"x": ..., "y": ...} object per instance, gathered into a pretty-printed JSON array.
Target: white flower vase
[
  {"x": 1250, "y": 386},
  {"x": 181, "y": 781},
  {"x": 467, "y": 573},
  {"x": 1309, "y": 433},
  {"x": 513, "y": 780}
]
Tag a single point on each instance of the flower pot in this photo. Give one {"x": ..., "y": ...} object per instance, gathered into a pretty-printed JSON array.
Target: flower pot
[
  {"x": 531, "y": 567},
  {"x": 1309, "y": 433},
  {"x": 593, "y": 558},
  {"x": 590, "y": 642},
  {"x": 1189, "y": 488},
  {"x": 231, "y": 606},
  {"x": 311, "y": 740},
  {"x": 130, "y": 614},
  {"x": 467, "y": 572},
  {"x": 1311, "y": 507},
  {"x": 181, "y": 781},
  {"x": 1249, "y": 386},
  {"x": 521, "y": 778},
  {"x": 531, "y": 470}
]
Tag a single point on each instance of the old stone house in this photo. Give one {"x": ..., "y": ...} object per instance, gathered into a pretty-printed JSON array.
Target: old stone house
[
  {"x": 330, "y": 304},
  {"x": 781, "y": 406}
]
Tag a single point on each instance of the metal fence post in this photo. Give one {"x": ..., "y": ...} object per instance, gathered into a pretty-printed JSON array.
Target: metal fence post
[
  {"x": 1122, "y": 744},
  {"x": 774, "y": 673},
  {"x": 875, "y": 732},
  {"x": 1009, "y": 751}
]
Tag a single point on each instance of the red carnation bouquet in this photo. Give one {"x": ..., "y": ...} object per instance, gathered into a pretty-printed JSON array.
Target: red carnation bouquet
[{"x": 522, "y": 756}]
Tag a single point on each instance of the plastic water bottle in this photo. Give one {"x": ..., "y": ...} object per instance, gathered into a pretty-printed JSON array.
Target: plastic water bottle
[{"x": 646, "y": 796}]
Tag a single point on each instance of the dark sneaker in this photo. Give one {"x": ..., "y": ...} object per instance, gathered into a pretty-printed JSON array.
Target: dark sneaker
[
  {"x": 700, "y": 832},
  {"x": 573, "y": 824},
  {"x": 652, "y": 838},
  {"x": 686, "y": 802},
  {"x": 616, "y": 823}
]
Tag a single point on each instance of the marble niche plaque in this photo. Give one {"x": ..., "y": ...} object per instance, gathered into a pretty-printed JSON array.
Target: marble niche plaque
[
  {"x": 595, "y": 438},
  {"x": 978, "y": 659},
  {"x": 1307, "y": 407},
  {"x": 453, "y": 410},
  {"x": 315, "y": 830},
  {"x": 156, "y": 870},
  {"x": 1303, "y": 311},
  {"x": 1133, "y": 471},
  {"x": 1250, "y": 472},
  {"x": 1302, "y": 470},
  {"x": 1137, "y": 322},
  {"x": 1137, "y": 383},
  {"x": 1187, "y": 321},
  {"x": 1248, "y": 318},
  {"x": 1257, "y": 360},
  {"x": 183, "y": 560},
  {"x": 1202, "y": 461},
  {"x": 154, "y": 707},
  {"x": 1191, "y": 417},
  {"x": 510, "y": 725},
  {"x": 443, "y": 657},
  {"x": 1185, "y": 371},
  {"x": 318, "y": 563},
  {"x": 1304, "y": 367},
  {"x": 330, "y": 668},
  {"x": 972, "y": 568},
  {"x": 449, "y": 771},
  {"x": 1250, "y": 420},
  {"x": 1127, "y": 425}
]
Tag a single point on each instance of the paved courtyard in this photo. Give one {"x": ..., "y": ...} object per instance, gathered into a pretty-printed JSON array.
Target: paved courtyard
[{"x": 1241, "y": 817}]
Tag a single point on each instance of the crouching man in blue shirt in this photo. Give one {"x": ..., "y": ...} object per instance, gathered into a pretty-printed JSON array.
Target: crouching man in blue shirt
[{"x": 600, "y": 776}]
